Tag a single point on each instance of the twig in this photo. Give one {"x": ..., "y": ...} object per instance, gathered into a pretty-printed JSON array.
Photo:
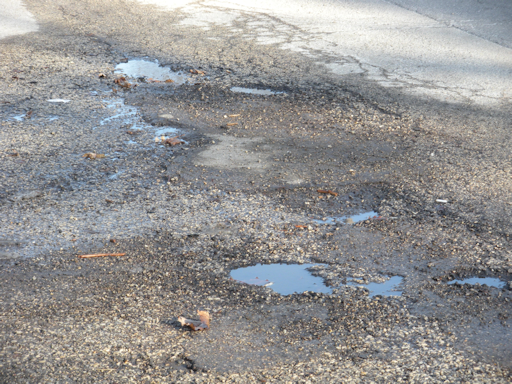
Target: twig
[{"x": 101, "y": 255}]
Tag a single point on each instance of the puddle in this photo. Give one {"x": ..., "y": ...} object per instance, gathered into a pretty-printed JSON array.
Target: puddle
[
  {"x": 332, "y": 220},
  {"x": 285, "y": 279},
  {"x": 387, "y": 288},
  {"x": 489, "y": 281},
  {"x": 125, "y": 113},
  {"x": 150, "y": 70},
  {"x": 254, "y": 91},
  {"x": 19, "y": 117},
  {"x": 166, "y": 133}
]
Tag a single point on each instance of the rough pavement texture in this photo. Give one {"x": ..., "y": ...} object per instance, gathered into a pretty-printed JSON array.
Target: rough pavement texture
[{"x": 241, "y": 190}]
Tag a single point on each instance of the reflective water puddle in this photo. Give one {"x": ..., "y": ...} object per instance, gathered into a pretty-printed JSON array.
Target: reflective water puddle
[
  {"x": 387, "y": 288},
  {"x": 150, "y": 70},
  {"x": 165, "y": 133},
  {"x": 128, "y": 117},
  {"x": 489, "y": 281},
  {"x": 332, "y": 220},
  {"x": 285, "y": 279},
  {"x": 254, "y": 91}
]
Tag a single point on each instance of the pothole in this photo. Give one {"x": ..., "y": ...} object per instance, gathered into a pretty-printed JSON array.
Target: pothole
[
  {"x": 233, "y": 152},
  {"x": 489, "y": 281},
  {"x": 285, "y": 279},
  {"x": 333, "y": 220},
  {"x": 387, "y": 288},
  {"x": 150, "y": 70},
  {"x": 254, "y": 91},
  {"x": 128, "y": 117}
]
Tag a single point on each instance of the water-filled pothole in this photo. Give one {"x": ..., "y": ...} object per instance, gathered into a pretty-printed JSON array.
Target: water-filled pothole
[
  {"x": 128, "y": 117},
  {"x": 285, "y": 279},
  {"x": 387, "y": 288},
  {"x": 333, "y": 220},
  {"x": 150, "y": 70},
  {"x": 254, "y": 91},
  {"x": 489, "y": 281}
]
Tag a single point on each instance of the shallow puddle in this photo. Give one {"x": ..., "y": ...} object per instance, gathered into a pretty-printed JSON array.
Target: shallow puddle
[
  {"x": 124, "y": 114},
  {"x": 285, "y": 279},
  {"x": 165, "y": 133},
  {"x": 387, "y": 288},
  {"x": 150, "y": 70},
  {"x": 489, "y": 281},
  {"x": 254, "y": 91},
  {"x": 333, "y": 220}
]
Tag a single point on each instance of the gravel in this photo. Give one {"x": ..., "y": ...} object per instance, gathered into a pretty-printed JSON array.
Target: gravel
[{"x": 235, "y": 195}]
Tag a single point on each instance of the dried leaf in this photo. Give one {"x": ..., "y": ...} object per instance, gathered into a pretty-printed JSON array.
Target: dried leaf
[
  {"x": 234, "y": 115},
  {"x": 197, "y": 325},
  {"x": 92, "y": 155},
  {"x": 28, "y": 115},
  {"x": 231, "y": 124},
  {"x": 122, "y": 82},
  {"x": 169, "y": 81},
  {"x": 204, "y": 317},
  {"x": 301, "y": 226},
  {"x": 328, "y": 192},
  {"x": 173, "y": 141},
  {"x": 197, "y": 72}
]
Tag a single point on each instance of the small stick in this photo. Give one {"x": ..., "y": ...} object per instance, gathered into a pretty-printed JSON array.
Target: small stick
[{"x": 101, "y": 255}]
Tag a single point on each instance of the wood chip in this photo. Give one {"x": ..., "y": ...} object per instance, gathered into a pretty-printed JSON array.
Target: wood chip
[{"x": 101, "y": 255}]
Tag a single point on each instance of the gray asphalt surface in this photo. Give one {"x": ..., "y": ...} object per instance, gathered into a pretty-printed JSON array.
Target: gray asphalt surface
[{"x": 407, "y": 139}]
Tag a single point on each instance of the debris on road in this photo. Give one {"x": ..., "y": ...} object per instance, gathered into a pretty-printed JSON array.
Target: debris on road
[
  {"x": 197, "y": 325},
  {"x": 58, "y": 101},
  {"x": 197, "y": 72},
  {"x": 122, "y": 82},
  {"x": 327, "y": 192},
  {"x": 100, "y": 255},
  {"x": 92, "y": 155},
  {"x": 172, "y": 140}
]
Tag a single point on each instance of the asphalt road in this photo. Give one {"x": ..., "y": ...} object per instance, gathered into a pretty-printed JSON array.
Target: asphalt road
[{"x": 202, "y": 137}]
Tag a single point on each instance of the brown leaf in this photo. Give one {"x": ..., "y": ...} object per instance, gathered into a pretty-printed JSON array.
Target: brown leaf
[
  {"x": 122, "y": 82},
  {"x": 173, "y": 141},
  {"x": 231, "y": 124},
  {"x": 92, "y": 155},
  {"x": 197, "y": 72},
  {"x": 328, "y": 192},
  {"x": 28, "y": 115},
  {"x": 301, "y": 226},
  {"x": 169, "y": 81},
  {"x": 204, "y": 317},
  {"x": 197, "y": 325}
]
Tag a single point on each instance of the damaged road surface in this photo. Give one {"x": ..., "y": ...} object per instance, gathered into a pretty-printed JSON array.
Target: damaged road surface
[{"x": 170, "y": 145}]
